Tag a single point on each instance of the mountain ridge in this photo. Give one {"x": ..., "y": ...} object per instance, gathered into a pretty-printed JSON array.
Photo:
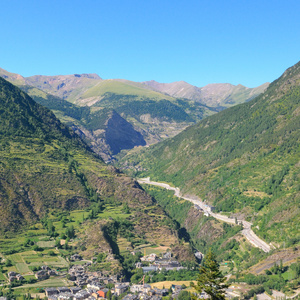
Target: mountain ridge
[{"x": 243, "y": 160}]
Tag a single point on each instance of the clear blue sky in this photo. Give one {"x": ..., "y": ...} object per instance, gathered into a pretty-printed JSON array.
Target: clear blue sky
[{"x": 235, "y": 41}]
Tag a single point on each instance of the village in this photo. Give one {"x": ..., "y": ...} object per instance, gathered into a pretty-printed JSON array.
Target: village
[
  {"x": 86, "y": 284},
  {"x": 96, "y": 285}
]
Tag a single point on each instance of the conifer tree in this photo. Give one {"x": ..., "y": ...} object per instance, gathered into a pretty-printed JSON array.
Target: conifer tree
[{"x": 210, "y": 279}]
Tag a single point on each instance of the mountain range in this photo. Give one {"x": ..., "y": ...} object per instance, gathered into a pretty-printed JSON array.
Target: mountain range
[{"x": 152, "y": 110}]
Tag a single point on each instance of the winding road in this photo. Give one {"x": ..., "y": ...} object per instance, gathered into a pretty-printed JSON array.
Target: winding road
[{"x": 247, "y": 231}]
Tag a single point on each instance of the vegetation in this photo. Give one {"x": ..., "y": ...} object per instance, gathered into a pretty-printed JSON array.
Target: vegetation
[
  {"x": 242, "y": 160},
  {"x": 210, "y": 278},
  {"x": 50, "y": 171}
]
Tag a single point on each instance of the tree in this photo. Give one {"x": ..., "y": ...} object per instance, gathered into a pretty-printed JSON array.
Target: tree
[
  {"x": 210, "y": 279},
  {"x": 184, "y": 295}
]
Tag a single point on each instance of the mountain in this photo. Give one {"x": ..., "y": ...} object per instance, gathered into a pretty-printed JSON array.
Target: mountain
[
  {"x": 107, "y": 133},
  {"x": 220, "y": 95},
  {"x": 243, "y": 161},
  {"x": 46, "y": 170},
  {"x": 78, "y": 99},
  {"x": 152, "y": 114},
  {"x": 64, "y": 86}
]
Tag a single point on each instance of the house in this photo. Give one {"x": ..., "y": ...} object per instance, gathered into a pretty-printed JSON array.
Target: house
[
  {"x": 78, "y": 297},
  {"x": 65, "y": 296},
  {"x": 12, "y": 278},
  {"x": 120, "y": 289},
  {"x": 102, "y": 293},
  {"x": 199, "y": 255},
  {"x": 155, "y": 297},
  {"x": 95, "y": 295},
  {"x": 149, "y": 269},
  {"x": 108, "y": 280},
  {"x": 53, "y": 297},
  {"x": 75, "y": 289},
  {"x": 11, "y": 273},
  {"x": 131, "y": 297},
  {"x": 151, "y": 257},
  {"x": 63, "y": 289},
  {"x": 167, "y": 255},
  {"x": 52, "y": 273},
  {"x": 51, "y": 291},
  {"x": 161, "y": 292},
  {"x": 145, "y": 288},
  {"x": 19, "y": 277},
  {"x": 41, "y": 275},
  {"x": 81, "y": 295},
  {"x": 96, "y": 286},
  {"x": 75, "y": 257}
]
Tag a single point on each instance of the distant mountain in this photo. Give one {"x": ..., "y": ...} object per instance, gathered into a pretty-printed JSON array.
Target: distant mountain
[
  {"x": 221, "y": 95},
  {"x": 107, "y": 133},
  {"x": 150, "y": 107},
  {"x": 64, "y": 86},
  {"x": 152, "y": 114},
  {"x": 244, "y": 160}
]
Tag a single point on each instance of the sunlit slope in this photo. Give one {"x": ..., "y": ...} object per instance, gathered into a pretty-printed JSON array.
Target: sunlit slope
[
  {"x": 244, "y": 159},
  {"x": 46, "y": 168}
]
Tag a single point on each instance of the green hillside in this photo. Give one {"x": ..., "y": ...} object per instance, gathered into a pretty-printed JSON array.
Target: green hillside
[
  {"x": 244, "y": 160},
  {"x": 46, "y": 170},
  {"x": 108, "y": 86}
]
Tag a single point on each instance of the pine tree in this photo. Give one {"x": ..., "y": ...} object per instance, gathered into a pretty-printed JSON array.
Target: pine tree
[{"x": 210, "y": 279}]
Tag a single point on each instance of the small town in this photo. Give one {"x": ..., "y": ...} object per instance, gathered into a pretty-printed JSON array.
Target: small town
[{"x": 84, "y": 284}]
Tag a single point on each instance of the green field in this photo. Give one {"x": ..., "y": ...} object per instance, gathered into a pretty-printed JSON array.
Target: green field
[
  {"x": 2, "y": 277},
  {"x": 22, "y": 268},
  {"x": 46, "y": 244}
]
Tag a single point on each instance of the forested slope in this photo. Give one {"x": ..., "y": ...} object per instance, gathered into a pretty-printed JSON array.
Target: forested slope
[
  {"x": 45, "y": 168},
  {"x": 244, "y": 160}
]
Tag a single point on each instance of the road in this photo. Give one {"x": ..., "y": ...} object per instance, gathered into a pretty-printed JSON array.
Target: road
[{"x": 247, "y": 231}]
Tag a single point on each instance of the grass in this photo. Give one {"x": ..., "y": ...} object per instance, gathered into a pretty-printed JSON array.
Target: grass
[
  {"x": 2, "y": 277},
  {"x": 116, "y": 87},
  {"x": 52, "y": 282},
  {"x": 17, "y": 258},
  {"x": 46, "y": 244},
  {"x": 168, "y": 284},
  {"x": 22, "y": 268}
]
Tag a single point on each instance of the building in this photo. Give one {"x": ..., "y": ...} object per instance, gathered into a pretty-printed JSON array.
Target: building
[
  {"x": 42, "y": 275},
  {"x": 103, "y": 293},
  {"x": 120, "y": 289},
  {"x": 51, "y": 291}
]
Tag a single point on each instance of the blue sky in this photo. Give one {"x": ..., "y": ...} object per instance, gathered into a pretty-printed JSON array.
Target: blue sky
[{"x": 236, "y": 41}]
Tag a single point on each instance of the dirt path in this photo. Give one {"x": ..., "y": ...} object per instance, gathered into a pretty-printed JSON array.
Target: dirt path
[{"x": 247, "y": 231}]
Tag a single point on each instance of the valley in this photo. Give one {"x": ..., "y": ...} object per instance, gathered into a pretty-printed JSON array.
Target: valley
[
  {"x": 208, "y": 211},
  {"x": 98, "y": 109},
  {"x": 76, "y": 220}
]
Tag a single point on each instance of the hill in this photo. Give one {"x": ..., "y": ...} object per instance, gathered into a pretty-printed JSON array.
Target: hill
[
  {"x": 244, "y": 160},
  {"x": 154, "y": 115},
  {"x": 46, "y": 170},
  {"x": 101, "y": 129}
]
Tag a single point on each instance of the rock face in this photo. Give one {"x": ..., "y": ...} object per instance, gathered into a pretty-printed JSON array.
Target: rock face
[
  {"x": 113, "y": 136},
  {"x": 64, "y": 86},
  {"x": 121, "y": 135}
]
